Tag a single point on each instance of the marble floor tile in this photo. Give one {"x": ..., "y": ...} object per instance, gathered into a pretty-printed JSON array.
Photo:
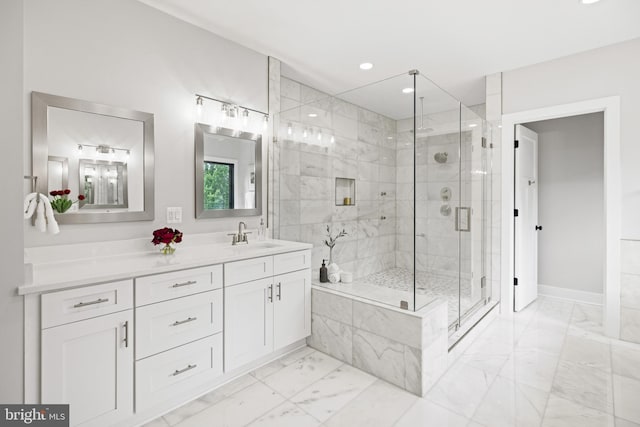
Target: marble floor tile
[
  {"x": 302, "y": 373},
  {"x": 545, "y": 339},
  {"x": 273, "y": 367},
  {"x": 200, "y": 404},
  {"x": 237, "y": 410},
  {"x": 487, "y": 362},
  {"x": 427, "y": 413},
  {"x": 379, "y": 405},
  {"x": 587, "y": 352},
  {"x": 627, "y": 398},
  {"x": 533, "y": 368},
  {"x": 588, "y": 318},
  {"x": 330, "y": 394},
  {"x": 461, "y": 389},
  {"x": 626, "y": 361},
  {"x": 508, "y": 403},
  {"x": 584, "y": 386},
  {"x": 158, "y": 422},
  {"x": 285, "y": 415},
  {"x": 565, "y": 413}
]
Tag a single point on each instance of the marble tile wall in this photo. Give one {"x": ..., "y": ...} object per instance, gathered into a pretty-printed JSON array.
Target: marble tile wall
[
  {"x": 630, "y": 291},
  {"x": 321, "y": 138},
  {"x": 408, "y": 351}
]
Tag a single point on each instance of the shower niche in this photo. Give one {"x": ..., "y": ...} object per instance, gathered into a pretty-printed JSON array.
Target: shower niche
[{"x": 345, "y": 192}]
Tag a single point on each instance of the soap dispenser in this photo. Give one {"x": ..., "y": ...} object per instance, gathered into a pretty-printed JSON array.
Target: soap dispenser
[{"x": 324, "y": 277}]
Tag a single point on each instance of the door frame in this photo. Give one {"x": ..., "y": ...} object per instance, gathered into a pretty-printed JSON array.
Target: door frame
[{"x": 612, "y": 199}]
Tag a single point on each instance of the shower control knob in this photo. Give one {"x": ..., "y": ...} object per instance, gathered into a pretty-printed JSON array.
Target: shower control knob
[{"x": 538, "y": 227}]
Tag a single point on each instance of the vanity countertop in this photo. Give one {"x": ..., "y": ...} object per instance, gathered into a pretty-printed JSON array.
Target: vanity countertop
[{"x": 67, "y": 273}]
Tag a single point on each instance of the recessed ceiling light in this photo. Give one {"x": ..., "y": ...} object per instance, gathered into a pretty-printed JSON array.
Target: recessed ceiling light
[
  {"x": 312, "y": 115},
  {"x": 407, "y": 90},
  {"x": 366, "y": 66},
  {"x": 389, "y": 137},
  {"x": 472, "y": 125},
  {"x": 589, "y": 1}
]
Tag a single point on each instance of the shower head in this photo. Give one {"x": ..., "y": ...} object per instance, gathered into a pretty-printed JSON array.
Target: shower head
[{"x": 441, "y": 157}]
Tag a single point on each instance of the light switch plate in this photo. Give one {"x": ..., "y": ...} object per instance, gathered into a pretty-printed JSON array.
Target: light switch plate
[{"x": 174, "y": 215}]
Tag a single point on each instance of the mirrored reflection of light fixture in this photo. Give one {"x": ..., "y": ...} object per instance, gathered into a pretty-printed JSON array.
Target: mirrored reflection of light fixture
[
  {"x": 289, "y": 129},
  {"x": 80, "y": 147},
  {"x": 333, "y": 139},
  {"x": 305, "y": 133},
  {"x": 265, "y": 121},
  {"x": 245, "y": 118},
  {"x": 320, "y": 135}
]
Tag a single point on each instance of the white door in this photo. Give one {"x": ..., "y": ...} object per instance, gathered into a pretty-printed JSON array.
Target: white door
[
  {"x": 248, "y": 322},
  {"x": 89, "y": 365},
  {"x": 292, "y": 309},
  {"x": 526, "y": 204}
]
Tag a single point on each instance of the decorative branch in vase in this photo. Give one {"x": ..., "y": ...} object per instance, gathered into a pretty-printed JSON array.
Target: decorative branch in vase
[{"x": 331, "y": 241}]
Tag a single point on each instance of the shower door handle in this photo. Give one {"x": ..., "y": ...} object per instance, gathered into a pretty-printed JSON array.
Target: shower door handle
[
  {"x": 463, "y": 219},
  {"x": 538, "y": 227}
]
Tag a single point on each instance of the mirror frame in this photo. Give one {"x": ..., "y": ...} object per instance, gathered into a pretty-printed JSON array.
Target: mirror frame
[
  {"x": 201, "y": 212},
  {"x": 125, "y": 185},
  {"x": 40, "y": 102}
]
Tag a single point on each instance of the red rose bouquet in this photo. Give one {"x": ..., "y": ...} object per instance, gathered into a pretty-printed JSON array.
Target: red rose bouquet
[
  {"x": 60, "y": 202},
  {"x": 167, "y": 236}
]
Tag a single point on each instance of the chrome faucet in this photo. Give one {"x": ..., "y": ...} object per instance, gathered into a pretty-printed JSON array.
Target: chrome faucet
[{"x": 241, "y": 237}]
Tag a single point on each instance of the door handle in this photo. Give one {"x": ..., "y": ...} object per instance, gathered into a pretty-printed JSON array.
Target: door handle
[
  {"x": 538, "y": 227},
  {"x": 270, "y": 296},
  {"x": 126, "y": 334},
  {"x": 279, "y": 294}
]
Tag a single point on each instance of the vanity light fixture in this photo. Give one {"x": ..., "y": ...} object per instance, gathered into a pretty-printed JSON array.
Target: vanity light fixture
[
  {"x": 407, "y": 90},
  {"x": 234, "y": 111},
  {"x": 366, "y": 66},
  {"x": 80, "y": 147},
  {"x": 312, "y": 115},
  {"x": 199, "y": 106}
]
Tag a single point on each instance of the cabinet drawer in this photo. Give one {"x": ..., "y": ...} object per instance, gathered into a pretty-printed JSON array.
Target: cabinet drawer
[
  {"x": 292, "y": 261},
  {"x": 72, "y": 305},
  {"x": 162, "y": 287},
  {"x": 169, "y": 324},
  {"x": 177, "y": 371},
  {"x": 247, "y": 270}
]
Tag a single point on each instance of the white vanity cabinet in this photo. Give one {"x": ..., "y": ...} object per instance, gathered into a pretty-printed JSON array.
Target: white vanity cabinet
[
  {"x": 264, "y": 312},
  {"x": 88, "y": 361}
]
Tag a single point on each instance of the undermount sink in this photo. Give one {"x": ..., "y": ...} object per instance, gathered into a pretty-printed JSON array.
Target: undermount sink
[{"x": 257, "y": 245}]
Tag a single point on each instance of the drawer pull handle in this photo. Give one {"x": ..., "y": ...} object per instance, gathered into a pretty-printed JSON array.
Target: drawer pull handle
[
  {"x": 270, "y": 296},
  {"x": 84, "y": 304},
  {"x": 182, "y": 371},
  {"x": 182, "y": 322},
  {"x": 187, "y": 283},
  {"x": 279, "y": 294}
]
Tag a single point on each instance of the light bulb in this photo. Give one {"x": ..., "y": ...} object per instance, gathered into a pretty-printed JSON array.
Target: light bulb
[
  {"x": 304, "y": 133},
  {"x": 289, "y": 129},
  {"x": 320, "y": 136},
  {"x": 407, "y": 90},
  {"x": 245, "y": 118},
  {"x": 127, "y": 155},
  {"x": 333, "y": 139},
  {"x": 112, "y": 154},
  {"x": 265, "y": 122},
  {"x": 199, "y": 106},
  {"x": 366, "y": 66}
]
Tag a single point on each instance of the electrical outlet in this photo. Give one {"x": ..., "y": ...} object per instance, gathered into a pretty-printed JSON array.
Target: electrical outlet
[{"x": 174, "y": 215}]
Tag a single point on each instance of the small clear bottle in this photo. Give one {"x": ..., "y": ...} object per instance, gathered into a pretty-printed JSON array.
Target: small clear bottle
[{"x": 261, "y": 230}]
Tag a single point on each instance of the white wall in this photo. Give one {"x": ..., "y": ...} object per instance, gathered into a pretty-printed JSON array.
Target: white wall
[
  {"x": 570, "y": 202},
  {"x": 608, "y": 71},
  {"x": 124, "y": 53},
  {"x": 11, "y": 313}
]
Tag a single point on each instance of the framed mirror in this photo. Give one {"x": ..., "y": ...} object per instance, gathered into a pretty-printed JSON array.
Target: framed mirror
[
  {"x": 103, "y": 153},
  {"x": 228, "y": 172}
]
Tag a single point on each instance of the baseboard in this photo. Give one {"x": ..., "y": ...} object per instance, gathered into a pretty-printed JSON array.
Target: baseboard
[{"x": 571, "y": 294}]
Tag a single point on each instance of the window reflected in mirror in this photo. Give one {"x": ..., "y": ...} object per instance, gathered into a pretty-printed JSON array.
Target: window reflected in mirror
[{"x": 227, "y": 172}]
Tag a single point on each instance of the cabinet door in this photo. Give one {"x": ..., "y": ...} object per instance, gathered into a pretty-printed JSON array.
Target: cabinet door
[
  {"x": 292, "y": 308},
  {"x": 248, "y": 322},
  {"x": 89, "y": 365}
]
